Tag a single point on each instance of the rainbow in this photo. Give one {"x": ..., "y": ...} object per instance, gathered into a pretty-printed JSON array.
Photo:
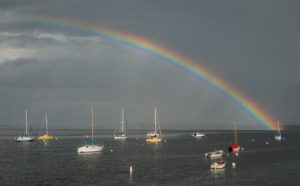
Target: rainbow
[{"x": 163, "y": 54}]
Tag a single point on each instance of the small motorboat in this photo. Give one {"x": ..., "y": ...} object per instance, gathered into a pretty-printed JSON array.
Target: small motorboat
[
  {"x": 218, "y": 165},
  {"x": 198, "y": 134},
  {"x": 215, "y": 154}
]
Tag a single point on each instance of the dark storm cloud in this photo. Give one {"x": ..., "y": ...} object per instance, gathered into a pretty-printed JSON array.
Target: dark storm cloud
[{"x": 253, "y": 45}]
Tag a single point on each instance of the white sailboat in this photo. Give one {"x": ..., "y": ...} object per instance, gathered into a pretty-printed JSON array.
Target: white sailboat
[
  {"x": 89, "y": 145},
  {"x": 278, "y": 136},
  {"x": 121, "y": 134},
  {"x": 25, "y": 137},
  {"x": 155, "y": 136}
]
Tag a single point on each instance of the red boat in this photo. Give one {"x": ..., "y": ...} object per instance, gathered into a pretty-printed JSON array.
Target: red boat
[{"x": 234, "y": 147}]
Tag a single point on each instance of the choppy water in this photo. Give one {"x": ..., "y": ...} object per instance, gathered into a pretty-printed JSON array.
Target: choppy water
[{"x": 178, "y": 161}]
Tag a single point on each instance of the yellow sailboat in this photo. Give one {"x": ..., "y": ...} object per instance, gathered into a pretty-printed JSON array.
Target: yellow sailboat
[
  {"x": 46, "y": 137},
  {"x": 155, "y": 136}
]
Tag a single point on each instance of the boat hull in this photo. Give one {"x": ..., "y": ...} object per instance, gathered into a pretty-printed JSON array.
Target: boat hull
[
  {"x": 45, "y": 138},
  {"x": 198, "y": 135},
  {"x": 89, "y": 149},
  {"x": 120, "y": 137},
  {"x": 153, "y": 140},
  {"x": 234, "y": 148},
  {"x": 218, "y": 165},
  {"x": 24, "y": 139},
  {"x": 215, "y": 154},
  {"x": 278, "y": 138}
]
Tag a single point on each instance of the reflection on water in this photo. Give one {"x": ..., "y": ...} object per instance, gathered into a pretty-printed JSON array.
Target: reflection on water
[
  {"x": 130, "y": 179},
  {"x": 89, "y": 162},
  {"x": 24, "y": 145},
  {"x": 89, "y": 155},
  {"x": 156, "y": 154},
  {"x": 217, "y": 173},
  {"x": 130, "y": 174},
  {"x": 155, "y": 146}
]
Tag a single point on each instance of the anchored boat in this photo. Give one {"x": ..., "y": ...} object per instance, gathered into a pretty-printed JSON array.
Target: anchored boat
[
  {"x": 278, "y": 136},
  {"x": 155, "y": 136},
  {"x": 25, "y": 137},
  {"x": 215, "y": 154},
  {"x": 234, "y": 147},
  {"x": 218, "y": 165},
  {"x": 121, "y": 134},
  {"x": 90, "y": 145},
  {"x": 46, "y": 137},
  {"x": 198, "y": 134}
]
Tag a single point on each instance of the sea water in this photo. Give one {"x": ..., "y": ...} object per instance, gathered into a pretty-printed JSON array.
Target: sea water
[{"x": 178, "y": 160}]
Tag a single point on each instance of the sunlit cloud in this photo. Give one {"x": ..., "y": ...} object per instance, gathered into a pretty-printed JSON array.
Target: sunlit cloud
[
  {"x": 7, "y": 53},
  {"x": 56, "y": 37}
]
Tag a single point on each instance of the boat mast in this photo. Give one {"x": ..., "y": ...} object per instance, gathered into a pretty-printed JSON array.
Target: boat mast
[
  {"x": 26, "y": 122},
  {"x": 158, "y": 126},
  {"x": 46, "y": 124},
  {"x": 278, "y": 128},
  {"x": 155, "y": 121},
  {"x": 122, "y": 122},
  {"x": 93, "y": 122},
  {"x": 235, "y": 134}
]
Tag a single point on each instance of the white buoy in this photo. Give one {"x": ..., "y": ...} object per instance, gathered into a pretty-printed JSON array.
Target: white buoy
[
  {"x": 130, "y": 169},
  {"x": 267, "y": 143},
  {"x": 165, "y": 140},
  {"x": 236, "y": 154},
  {"x": 242, "y": 148},
  {"x": 111, "y": 150},
  {"x": 233, "y": 165}
]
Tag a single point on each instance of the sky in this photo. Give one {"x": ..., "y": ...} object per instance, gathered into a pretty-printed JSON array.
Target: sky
[{"x": 252, "y": 45}]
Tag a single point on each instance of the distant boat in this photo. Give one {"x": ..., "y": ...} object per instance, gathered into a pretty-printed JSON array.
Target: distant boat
[
  {"x": 234, "y": 147},
  {"x": 46, "y": 137},
  {"x": 198, "y": 134},
  {"x": 215, "y": 154},
  {"x": 25, "y": 137},
  {"x": 218, "y": 165},
  {"x": 90, "y": 145},
  {"x": 278, "y": 136},
  {"x": 155, "y": 136},
  {"x": 121, "y": 134}
]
